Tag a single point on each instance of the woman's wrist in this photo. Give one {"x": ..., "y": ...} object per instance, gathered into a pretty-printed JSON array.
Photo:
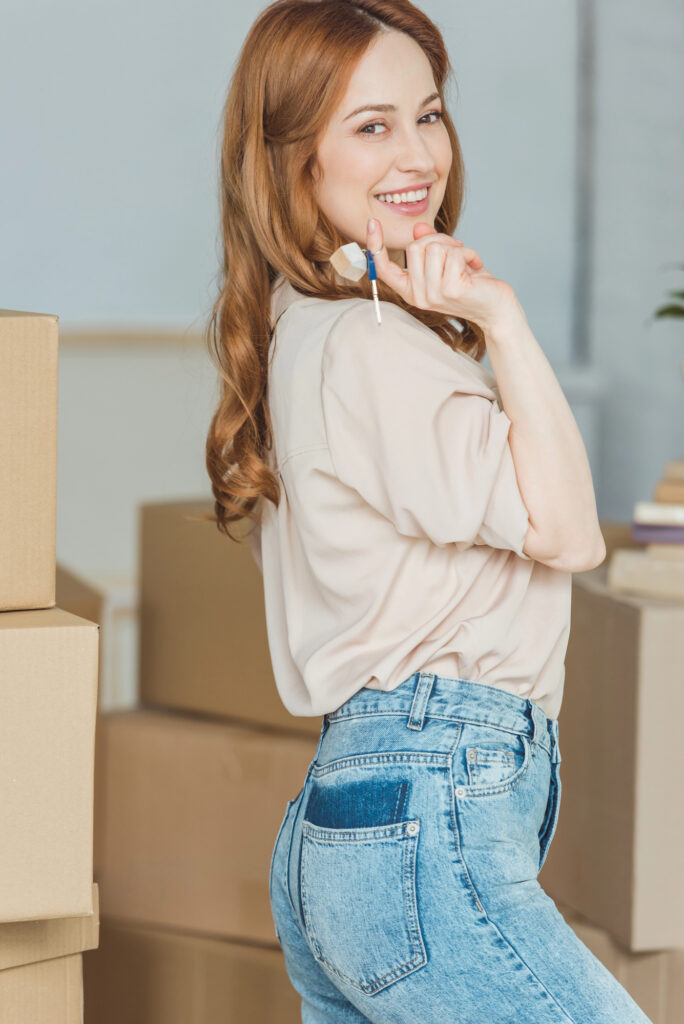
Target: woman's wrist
[{"x": 509, "y": 324}]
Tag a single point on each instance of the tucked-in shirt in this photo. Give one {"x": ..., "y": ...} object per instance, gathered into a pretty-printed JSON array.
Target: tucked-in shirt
[{"x": 397, "y": 544}]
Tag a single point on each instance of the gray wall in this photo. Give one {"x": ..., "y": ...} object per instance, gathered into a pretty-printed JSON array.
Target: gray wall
[
  {"x": 637, "y": 213},
  {"x": 571, "y": 124}
]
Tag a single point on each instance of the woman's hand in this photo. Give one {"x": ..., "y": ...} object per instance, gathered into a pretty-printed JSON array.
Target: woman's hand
[{"x": 444, "y": 275}]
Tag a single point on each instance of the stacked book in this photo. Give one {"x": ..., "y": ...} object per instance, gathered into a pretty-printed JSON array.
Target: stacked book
[{"x": 654, "y": 564}]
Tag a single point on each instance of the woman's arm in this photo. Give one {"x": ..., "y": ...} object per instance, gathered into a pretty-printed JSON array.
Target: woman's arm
[
  {"x": 550, "y": 459},
  {"x": 551, "y": 465}
]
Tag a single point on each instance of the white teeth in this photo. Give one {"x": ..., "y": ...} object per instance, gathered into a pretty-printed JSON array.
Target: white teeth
[{"x": 403, "y": 197}]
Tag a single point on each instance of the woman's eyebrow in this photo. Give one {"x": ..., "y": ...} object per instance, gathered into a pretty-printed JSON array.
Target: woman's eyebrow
[{"x": 389, "y": 106}]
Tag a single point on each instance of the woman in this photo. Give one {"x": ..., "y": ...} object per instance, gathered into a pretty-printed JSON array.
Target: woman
[{"x": 420, "y": 519}]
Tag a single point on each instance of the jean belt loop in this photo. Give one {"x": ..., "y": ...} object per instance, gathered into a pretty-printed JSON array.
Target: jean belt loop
[
  {"x": 538, "y": 723},
  {"x": 419, "y": 703},
  {"x": 324, "y": 728},
  {"x": 555, "y": 745}
]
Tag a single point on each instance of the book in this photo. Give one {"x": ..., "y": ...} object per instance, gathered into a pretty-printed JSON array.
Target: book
[{"x": 662, "y": 513}]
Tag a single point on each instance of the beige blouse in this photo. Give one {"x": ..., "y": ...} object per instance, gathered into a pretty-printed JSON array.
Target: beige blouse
[{"x": 397, "y": 544}]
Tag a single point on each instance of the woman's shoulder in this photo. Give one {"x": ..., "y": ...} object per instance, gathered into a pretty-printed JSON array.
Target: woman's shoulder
[
  {"x": 285, "y": 296},
  {"x": 354, "y": 340},
  {"x": 401, "y": 341}
]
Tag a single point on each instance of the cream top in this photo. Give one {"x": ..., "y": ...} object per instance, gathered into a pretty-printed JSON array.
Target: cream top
[{"x": 397, "y": 544}]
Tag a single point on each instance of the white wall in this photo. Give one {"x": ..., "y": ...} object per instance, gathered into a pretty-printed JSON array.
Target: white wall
[
  {"x": 110, "y": 129},
  {"x": 109, "y": 124},
  {"x": 516, "y": 69}
]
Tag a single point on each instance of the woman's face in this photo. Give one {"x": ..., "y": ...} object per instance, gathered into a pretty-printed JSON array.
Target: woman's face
[{"x": 372, "y": 152}]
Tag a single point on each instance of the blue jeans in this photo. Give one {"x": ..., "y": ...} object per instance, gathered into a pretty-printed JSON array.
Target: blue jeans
[{"x": 403, "y": 880}]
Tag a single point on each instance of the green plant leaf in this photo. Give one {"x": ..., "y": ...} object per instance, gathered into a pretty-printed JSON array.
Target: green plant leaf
[{"x": 673, "y": 310}]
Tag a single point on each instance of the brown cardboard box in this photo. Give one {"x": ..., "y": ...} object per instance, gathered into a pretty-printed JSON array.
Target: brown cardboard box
[
  {"x": 41, "y": 968},
  {"x": 46, "y": 992},
  {"x": 28, "y": 458},
  {"x": 26, "y": 942},
  {"x": 618, "y": 853},
  {"x": 203, "y": 640},
  {"x": 654, "y": 980},
  {"x": 48, "y": 697},
  {"x": 153, "y": 976},
  {"x": 79, "y": 596},
  {"x": 187, "y": 809}
]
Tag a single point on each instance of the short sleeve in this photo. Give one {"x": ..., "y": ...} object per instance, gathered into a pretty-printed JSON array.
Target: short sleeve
[{"x": 417, "y": 430}]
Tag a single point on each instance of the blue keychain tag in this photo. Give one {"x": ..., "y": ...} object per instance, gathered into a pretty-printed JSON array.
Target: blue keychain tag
[{"x": 373, "y": 277}]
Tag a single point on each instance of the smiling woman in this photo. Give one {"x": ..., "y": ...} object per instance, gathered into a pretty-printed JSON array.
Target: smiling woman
[
  {"x": 303, "y": 167},
  {"x": 403, "y": 603}
]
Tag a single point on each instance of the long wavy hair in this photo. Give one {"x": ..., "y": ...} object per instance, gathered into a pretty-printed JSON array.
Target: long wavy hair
[{"x": 290, "y": 76}]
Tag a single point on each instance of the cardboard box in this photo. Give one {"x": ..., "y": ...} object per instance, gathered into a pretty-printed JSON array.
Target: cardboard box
[
  {"x": 203, "y": 639},
  {"x": 111, "y": 601},
  {"x": 26, "y": 942},
  {"x": 28, "y": 458},
  {"x": 187, "y": 809},
  {"x": 48, "y": 697},
  {"x": 142, "y": 975},
  {"x": 46, "y": 992},
  {"x": 41, "y": 979},
  {"x": 654, "y": 980},
  {"x": 29, "y": 941},
  {"x": 618, "y": 853}
]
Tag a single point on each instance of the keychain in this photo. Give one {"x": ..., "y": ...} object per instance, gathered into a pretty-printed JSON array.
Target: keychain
[{"x": 352, "y": 262}]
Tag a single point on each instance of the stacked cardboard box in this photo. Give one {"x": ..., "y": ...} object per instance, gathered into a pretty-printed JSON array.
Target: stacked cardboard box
[
  {"x": 616, "y": 864},
  {"x": 48, "y": 696},
  {"x": 190, "y": 789}
]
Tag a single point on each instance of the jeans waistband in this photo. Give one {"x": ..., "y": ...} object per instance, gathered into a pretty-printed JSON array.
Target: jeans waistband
[{"x": 428, "y": 695}]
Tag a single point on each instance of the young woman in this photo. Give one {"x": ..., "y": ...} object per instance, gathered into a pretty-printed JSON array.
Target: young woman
[{"x": 418, "y": 522}]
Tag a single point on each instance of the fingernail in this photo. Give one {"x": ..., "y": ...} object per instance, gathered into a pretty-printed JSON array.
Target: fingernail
[{"x": 371, "y": 224}]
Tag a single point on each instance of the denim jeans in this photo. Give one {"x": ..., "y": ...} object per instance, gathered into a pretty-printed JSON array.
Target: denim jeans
[{"x": 403, "y": 881}]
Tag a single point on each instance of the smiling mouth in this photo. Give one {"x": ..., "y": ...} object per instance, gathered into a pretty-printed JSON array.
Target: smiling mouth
[{"x": 381, "y": 197}]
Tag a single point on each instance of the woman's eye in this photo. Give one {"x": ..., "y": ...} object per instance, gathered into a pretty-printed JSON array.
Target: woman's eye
[{"x": 437, "y": 114}]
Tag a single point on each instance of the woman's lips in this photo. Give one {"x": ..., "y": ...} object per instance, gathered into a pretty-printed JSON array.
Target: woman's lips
[{"x": 410, "y": 209}]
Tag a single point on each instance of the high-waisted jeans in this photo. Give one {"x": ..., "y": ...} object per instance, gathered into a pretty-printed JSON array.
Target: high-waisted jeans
[{"x": 403, "y": 880}]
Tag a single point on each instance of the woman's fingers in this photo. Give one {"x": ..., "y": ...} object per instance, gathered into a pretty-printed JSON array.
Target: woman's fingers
[
  {"x": 411, "y": 283},
  {"x": 435, "y": 259},
  {"x": 387, "y": 270},
  {"x": 415, "y": 264},
  {"x": 425, "y": 235}
]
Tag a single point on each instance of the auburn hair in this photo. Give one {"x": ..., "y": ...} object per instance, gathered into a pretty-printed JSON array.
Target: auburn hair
[{"x": 290, "y": 75}]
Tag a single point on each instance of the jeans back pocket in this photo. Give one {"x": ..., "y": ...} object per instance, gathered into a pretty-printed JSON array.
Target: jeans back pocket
[{"x": 358, "y": 883}]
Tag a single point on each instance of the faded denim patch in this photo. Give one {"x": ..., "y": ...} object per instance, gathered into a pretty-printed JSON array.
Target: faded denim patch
[{"x": 364, "y": 804}]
